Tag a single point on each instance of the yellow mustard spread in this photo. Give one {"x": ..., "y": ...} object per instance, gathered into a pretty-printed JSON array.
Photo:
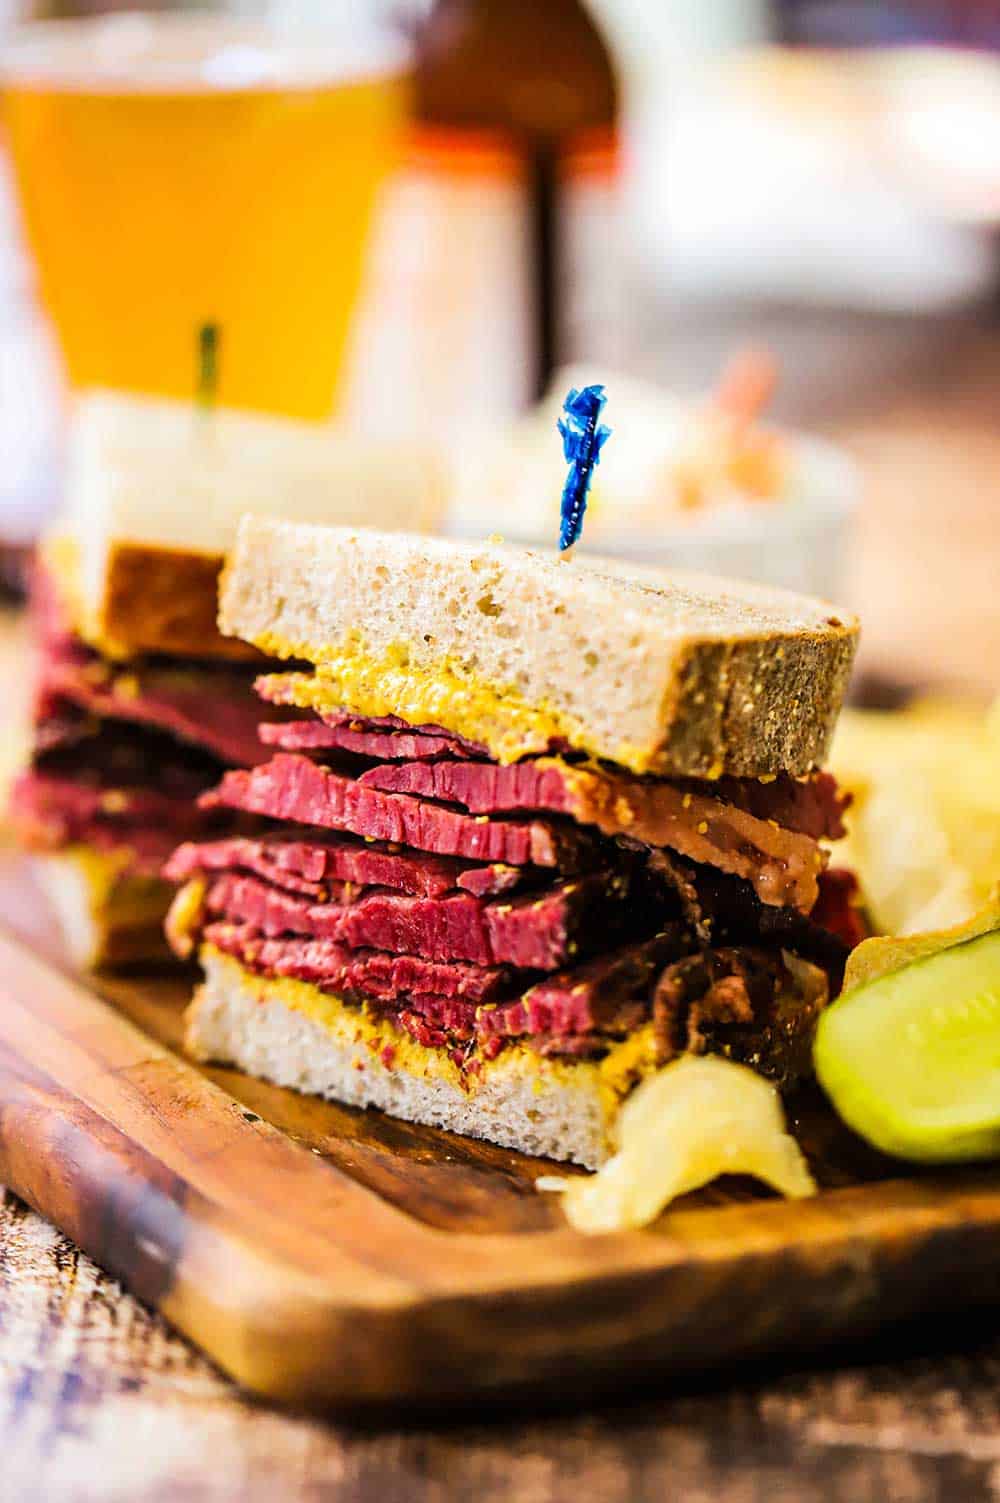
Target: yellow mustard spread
[
  {"x": 349, "y": 1023},
  {"x": 445, "y": 694}
]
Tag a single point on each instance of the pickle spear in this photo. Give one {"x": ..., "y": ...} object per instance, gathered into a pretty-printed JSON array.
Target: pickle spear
[{"x": 910, "y": 1053}]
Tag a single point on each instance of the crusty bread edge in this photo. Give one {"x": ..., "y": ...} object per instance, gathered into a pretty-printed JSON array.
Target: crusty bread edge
[
  {"x": 712, "y": 717},
  {"x": 150, "y": 599},
  {"x": 160, "y": 599}
]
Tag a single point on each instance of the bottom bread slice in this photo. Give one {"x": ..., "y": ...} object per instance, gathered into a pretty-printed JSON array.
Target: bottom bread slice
[
  {"x": 106, "y": 916},
  {"x": 293, "y": 1034}
]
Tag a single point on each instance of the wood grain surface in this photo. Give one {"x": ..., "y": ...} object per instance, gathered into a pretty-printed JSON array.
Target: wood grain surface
[
  {"x": 100, "y": 1403},
  {"x": 327, "y": 1256}
]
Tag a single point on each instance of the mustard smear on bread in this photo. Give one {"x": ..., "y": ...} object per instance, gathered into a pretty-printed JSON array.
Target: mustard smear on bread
[
  {"x": 373, "y": 1029},
  {"x": 695, "y": 1119},
  {"x": 446, "y": 694}
]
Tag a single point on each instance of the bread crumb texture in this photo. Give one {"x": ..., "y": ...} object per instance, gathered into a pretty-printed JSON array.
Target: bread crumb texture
[
  {"x": 681, "y": 675},
  {"x": 292, "y": 1033}
]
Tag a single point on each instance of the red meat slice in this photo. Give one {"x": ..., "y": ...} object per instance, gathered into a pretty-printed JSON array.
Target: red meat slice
[
  {"x": 607, "y": 996},
  {"x": 293, "y": 787},
  {"x": 369, "y": 973},
  {"x": 50, "y": 813},
  {"x": 75, "y": 806},
  {"x": 594, "y": 996},
  {"x": 813, "y": 806},
  {"x": 215, "y": 709},
  {"x": 839, "y": 907},
  {"x": 356, "y": 736},
  {"x": 782, "y": 865},
  {"x": 310, "y": 865},
  {"x": 482, "y": 787},
  {"x": 490, "y": 881},
  {"x": 535, "y": 933},
  {"x": 279, "y": 689}
]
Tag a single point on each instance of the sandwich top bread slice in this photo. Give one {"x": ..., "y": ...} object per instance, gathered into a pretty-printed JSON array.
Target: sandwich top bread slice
[
  {"x": 682, "y": 675},
  {"x": 155, "y": 490},
  {"x": 534, "y": 829},
  {"x": 118, "y": 752}
]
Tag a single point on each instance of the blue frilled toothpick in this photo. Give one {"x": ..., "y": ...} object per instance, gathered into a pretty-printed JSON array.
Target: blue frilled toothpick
[{"x": 583, "y": 439}]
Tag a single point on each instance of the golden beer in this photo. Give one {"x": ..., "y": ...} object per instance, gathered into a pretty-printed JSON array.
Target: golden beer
[{"x": 176, "y": 173}]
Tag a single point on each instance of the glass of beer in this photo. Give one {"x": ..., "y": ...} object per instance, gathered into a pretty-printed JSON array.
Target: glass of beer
[{"x": 177, "y": 173}]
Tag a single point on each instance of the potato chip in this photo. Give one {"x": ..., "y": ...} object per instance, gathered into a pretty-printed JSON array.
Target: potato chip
[{"x": 924, "y": 829}]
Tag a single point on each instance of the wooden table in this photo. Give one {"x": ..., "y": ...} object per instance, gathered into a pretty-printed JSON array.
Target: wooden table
[{"x": 100, "y": 1403}]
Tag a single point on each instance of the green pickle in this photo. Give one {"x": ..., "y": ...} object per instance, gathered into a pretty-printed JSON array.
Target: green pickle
[{"x": 910, "y": 1053}]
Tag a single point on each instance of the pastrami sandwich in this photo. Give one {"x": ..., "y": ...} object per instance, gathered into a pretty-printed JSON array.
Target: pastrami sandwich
[
  {"x": 141, "y": 704},
  {"x": 537, "y": 827},
  {"x": 120, "y": 751}
]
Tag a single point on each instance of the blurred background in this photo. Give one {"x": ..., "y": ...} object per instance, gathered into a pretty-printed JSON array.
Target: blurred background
[{"x": 770, "y": 228}]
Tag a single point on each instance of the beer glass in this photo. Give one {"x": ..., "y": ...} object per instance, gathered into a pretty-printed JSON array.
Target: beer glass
[{"x": 178, "y": 173}]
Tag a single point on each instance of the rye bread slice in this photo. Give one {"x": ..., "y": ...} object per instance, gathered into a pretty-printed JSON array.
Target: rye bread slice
[{"x": 678, "y": 674}]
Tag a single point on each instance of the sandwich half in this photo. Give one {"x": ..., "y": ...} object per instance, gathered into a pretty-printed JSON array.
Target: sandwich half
[
  {"x": 141, "y": 704},
  {"x": 535, "y": 828},
  {"x": 119, "y": 752}
]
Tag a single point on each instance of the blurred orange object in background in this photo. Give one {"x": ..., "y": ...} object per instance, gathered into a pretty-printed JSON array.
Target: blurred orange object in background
[{"x": 179, "y": 173}]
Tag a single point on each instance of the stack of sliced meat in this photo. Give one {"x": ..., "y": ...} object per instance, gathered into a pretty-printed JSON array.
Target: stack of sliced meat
[
  {"x": 553, "y": 903},
  {"x": 120, "y": 752}
]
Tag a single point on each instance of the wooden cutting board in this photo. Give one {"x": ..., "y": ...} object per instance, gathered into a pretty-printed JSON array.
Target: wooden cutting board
[{"x": 327, "y": 1256}]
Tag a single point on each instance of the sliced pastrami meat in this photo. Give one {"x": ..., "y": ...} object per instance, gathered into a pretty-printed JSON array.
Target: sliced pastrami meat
[
  {"x": 591, "y": 996},
  {"x": 279, "y": 689},
  {"x": 211, "y": 708},
  {"x": 781, "y": 864},
  {"x": 73, "y": 808},
  {"x": 50, "y": 814},
  {"x": 731, "y": 914},
  {"x": 811, "y": 806},
  {"x": 839, "y": 907},
  {"x": 482, "y": 787},
  {"x": 119, "y": 756},
  {"x": 294, "y": 788},
  {"x": 390, "y": 979},
  {"x": 310, "y": 865},
  {"x": 357, "y": 737},
  {"x": 745, "y": 1002},
  {"x": 490, "y": 881},
  {"x": 537, "y": 933}
]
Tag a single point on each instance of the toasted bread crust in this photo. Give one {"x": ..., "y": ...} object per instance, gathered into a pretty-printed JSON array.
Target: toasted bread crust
[
  {"x": 162, "y": 600},
  {"x": 743, "y": 707}
]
